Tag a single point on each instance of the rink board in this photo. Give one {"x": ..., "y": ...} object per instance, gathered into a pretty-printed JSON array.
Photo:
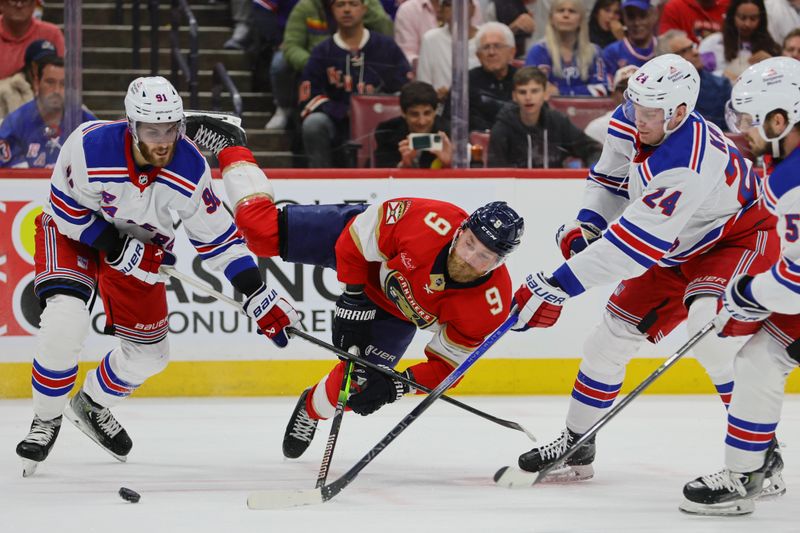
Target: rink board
[{"x": 214, "y": 351}]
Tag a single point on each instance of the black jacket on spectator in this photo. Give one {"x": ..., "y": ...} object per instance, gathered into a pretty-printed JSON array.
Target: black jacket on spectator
[
  {"x": 507, "y": 12},
  {"x": 388, "y": 135},
  {"x": 487, "y": 96},
  {"x": 513, "y": 144},
  {"x": 715, "y": 91}
]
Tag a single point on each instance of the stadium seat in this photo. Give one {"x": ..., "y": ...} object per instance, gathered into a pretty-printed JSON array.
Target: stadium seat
[
  {"x": 481, "y": 138},
  {"x": 581, "y": 110},
  {"x": 366, "y": 112}
]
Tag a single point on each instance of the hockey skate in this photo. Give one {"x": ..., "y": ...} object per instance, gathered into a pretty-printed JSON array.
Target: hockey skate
[
  {"x": 99, "y": 424},
  {"x": 214, "y": 131},
  {"x": 727, "y": 493},
  {"x": 35, "y": 448},
  {"x": 774, "y": 485},
  {"x": 300, "y": 430},
  {"x": 576, "y": 468}
]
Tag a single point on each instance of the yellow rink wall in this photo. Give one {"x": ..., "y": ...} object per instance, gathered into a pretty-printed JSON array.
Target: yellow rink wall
[{"x": 277, "y": 378}]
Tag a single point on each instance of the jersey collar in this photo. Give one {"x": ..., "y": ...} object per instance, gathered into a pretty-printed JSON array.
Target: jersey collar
[{"x": 139, "y": 177}]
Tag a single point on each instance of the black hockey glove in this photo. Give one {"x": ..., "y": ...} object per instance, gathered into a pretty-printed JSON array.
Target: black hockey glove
[
  {"x": 352, "y": 322},
  {"x": 214, "y": 132},
  {"x": 376, "y": 390}
]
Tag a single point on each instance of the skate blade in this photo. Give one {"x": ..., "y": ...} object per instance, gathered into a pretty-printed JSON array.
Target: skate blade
[
  {"x": 76, "y": 421},
  {"x": 773, "y": 488},
  {"x": 29, "y": 467},
  {"x": 736, "y": 508}
]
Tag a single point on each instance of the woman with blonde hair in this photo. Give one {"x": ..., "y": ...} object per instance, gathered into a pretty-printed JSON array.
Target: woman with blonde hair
[{"x": 573, "y": 64}]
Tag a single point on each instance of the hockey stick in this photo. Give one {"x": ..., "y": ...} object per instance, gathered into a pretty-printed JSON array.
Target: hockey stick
[
  {"x": 350, "y": 357},
  {"x": 513, "y": 477},
  {"x": 280, "y": 499},
  {"x": 336, "y": 423}
]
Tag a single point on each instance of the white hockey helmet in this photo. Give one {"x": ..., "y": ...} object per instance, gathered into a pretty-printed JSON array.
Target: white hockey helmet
[
  {"x": 665, "y": 82},
  {"x": 765, "y": 87},
  {"x": 153, "y": 100}
]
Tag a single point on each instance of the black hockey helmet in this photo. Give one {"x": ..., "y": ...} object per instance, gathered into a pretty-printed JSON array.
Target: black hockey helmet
[{"x": 497, "y": 226}]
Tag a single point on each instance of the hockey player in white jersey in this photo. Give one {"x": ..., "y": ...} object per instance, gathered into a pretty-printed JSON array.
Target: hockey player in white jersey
[
  {"x": 671, "y": 209},
  {"x": 766, "y": 107},
  {"x": 107, "y": 227}
]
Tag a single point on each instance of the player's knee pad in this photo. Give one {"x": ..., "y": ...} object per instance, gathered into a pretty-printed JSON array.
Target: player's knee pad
[
  {"x": 63, "y": 330},
  {"x": 308, "y": 233},
  {"x": 715, "y": 353},
  {"x": 137, "y": 362},
  {"x": 610, "y": 345}
]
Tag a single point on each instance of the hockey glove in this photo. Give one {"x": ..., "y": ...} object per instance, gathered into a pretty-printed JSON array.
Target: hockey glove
[
  {"x": 140, "y": 260},
  {"x": 574, "y": 237},
  {"x": 738, "y": 312},
  {"x": 272, "y": 313},
  {"x": 539, "y": 301},
  {"x": 352, "y": 321},
  {"x": 215, "y": 132},
  {"x": 376, "y": 390}
]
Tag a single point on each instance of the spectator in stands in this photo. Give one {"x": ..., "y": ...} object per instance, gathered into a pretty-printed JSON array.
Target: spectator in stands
[
  {"x": 605, "y": 24},
  {"x": 269, "y": 23},
  {"x": 744, "y": 40},
  {"x": 528, "y": 134},
  {"x": 240, "y": 13},
  {"x": 791, "y": 44},
  {"x": 31, "y": 136},
  {"x": 35, "y": 52},
  {"x": 18, "y": 29},
  {"x": 697, "y": 18},
  {"x": 783, "y": 16},
  {"x": 435, "y": 65},
  {"x": 413, "y": 19},
  {"x": 490, "y": 84},
  {"x": 309, "y": 23},
  {"x": 598, "y": 128},
  {"x": 418, "y": 102},
  {"x": 639, "y": 45},
  {"x": 352, "y": 61},
  {"x": 517, "y": 15},
  {"x": 573, "y": 65},
  {"x": 715, "y": 90}
]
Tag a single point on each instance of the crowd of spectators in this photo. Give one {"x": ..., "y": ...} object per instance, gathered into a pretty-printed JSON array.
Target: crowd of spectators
[{"x": 524, "y": 57}]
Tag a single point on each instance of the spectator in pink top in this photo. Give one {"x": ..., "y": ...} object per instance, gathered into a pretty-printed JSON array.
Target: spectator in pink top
[
  {"x": 18, "y": 29},
  {"x": 413, "y": 19}
]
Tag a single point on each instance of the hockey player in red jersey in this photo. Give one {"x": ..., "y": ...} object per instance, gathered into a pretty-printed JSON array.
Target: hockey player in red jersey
[
  {"x": 405, "y": 264},
  {"x": 108, "y": 228},
  {"x": 672, "y": 209},
  {"x": 766, "y": 108}
]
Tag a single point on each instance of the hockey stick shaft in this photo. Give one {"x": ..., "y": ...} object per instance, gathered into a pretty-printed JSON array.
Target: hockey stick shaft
[
  {"x": 329, "y": 491},
  {"x": 190, "y": 280},
  {"x": 336, "y": 423},
  {"x": 626, "y": 400}
]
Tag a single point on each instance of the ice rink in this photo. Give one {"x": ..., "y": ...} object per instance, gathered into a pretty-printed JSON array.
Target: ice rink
[{"x": 194, "y": 461}]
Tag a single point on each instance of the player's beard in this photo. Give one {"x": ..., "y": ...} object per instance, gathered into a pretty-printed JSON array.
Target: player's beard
[
  {"x": 157, "y": 159},
  {"x": 459, "y": 270}
]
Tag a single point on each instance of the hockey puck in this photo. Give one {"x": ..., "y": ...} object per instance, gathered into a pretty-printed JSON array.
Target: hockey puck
[{"x": 129, "y": 495}]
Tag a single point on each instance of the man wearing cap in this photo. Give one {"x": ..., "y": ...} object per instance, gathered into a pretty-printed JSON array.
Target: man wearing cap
[
  {"x": 18, "y": 29},
  {"x": 639, "y": 44},
  {"x": 31, "y": 136},
  {"x": 35, "y": 52}
]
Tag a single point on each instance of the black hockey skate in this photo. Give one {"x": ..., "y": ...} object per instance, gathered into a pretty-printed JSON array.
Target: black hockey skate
[
  {"x": 35, "y": 448},
  {"x": 726, "y": 493},
  {"x": 576, "y": 468},
  {"x": 774, "y": 485},
  {"x": 99, "y": 424},
  {"x": 215, "y": 132},
  {"x": 300, "y": 430}
]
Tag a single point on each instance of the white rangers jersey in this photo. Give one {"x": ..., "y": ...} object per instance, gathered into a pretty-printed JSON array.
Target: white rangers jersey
[
  {"x": 96, "y": 183},
  {"x": 658, "y": 205},
  {"x": 778, "y": 289}
]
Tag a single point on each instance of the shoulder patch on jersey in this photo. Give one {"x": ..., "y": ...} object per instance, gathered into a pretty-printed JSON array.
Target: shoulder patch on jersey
[{"x": 395, "y": 210}]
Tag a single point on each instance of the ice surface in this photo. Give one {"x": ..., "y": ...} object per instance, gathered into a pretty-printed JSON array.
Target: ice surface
[{"x": 194, "y": 461}]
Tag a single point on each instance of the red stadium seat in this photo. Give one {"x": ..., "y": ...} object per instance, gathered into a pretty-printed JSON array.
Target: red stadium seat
[
  {"x": 581, "y": 110},
  {"x": 366, "y": 112},
  {"x": 741, "y": 143},
  {"x": 481, "y": 138}
]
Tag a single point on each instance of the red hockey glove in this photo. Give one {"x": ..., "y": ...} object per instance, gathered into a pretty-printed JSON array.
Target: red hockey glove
[
  {"x": 140, "y": 260},
  {"x": 539, "y": 301},
  {"x": 738, "y": 312},
  {"x": 574, "y": 237},
  {"x": 272, "y": 313}
]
